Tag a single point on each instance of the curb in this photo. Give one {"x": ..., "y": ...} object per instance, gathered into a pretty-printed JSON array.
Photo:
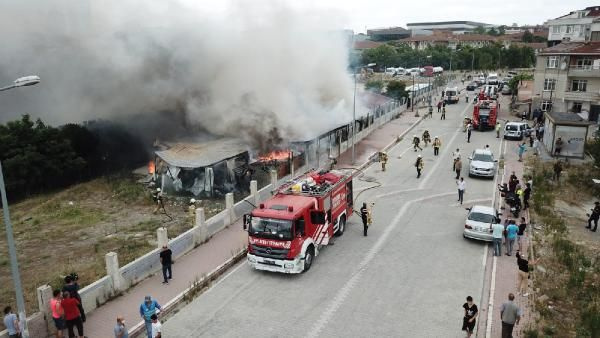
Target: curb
[{"x": 195, "y": 289}]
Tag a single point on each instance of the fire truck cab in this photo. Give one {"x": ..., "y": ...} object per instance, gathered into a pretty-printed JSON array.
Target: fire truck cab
[
  {"x": 286, "y": 232},
  {"x": 485, "y": 114}
]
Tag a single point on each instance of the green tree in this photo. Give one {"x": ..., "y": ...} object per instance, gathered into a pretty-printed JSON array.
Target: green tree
[
  {"x": 502, "y": 30},
  {"x": 374, "y": 85},
  {"x": 396, "y": 89},
  {"x": 479, "y": 30},
  {"x": 492, "y": 31},
  {"x": 527, "y": 37},
  {"x": 384, "y": 55}
]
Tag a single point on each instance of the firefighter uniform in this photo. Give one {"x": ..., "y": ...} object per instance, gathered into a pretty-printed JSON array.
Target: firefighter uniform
[
  {"x": 426, "y": 137},
  {"x": 364, "y": 215},
  {"x": 192, "y": 207},
  {"x": 383, "y": 158},
  {"x": 437, "y": 143},
  {"x": 157, "y": 197},
  {"x": 419, "y": 165},
  {"x": 416, "y": 141}
]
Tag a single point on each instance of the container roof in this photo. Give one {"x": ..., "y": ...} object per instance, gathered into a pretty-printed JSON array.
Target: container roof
[
  {"x": 570, "y": 119},
  {"x": 197, "y": 155}
]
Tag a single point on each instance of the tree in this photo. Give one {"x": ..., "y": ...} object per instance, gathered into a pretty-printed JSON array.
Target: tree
[
  {"x": 527, "y": 37},
  {"x": 384, "y": 55},
  {"x": 479, "y": 30},
  {"x": 492, "y": 31},
  {"x": 502, "y": 30},
  {"x": 374, "y": 86},
  {"x": 396, "y": 89}
]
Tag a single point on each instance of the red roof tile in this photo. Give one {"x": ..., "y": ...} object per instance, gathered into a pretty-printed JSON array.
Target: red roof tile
[
  {"x": 366, "y": 44},
  {"x": 574, "y": 48}
]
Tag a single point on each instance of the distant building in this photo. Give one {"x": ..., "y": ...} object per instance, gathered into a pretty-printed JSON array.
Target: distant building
[
  {"x": 457, "y": 27},
  {"x": 388, "y": 34},
  {"x": 448, "y": 39},
  {"x": 573, "y": 27},
  {"x": 567, "y": 79}
]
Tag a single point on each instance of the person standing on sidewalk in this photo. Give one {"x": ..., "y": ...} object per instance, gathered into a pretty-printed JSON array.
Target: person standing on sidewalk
[
  {"x": 594, "y": 217},
  {"x": 149, "y": 308},
  {"x": 521, "y": 233},
  {"x": 11, "y": 322},
  {"x": 364, "y": 216},
  {"x": 470, "y": 317},
  {"x": 497, "y": 234},
  {"x": 72, "y": 315},
  {"x": 523, "y": 264},
  {"x": 510, "y": 314},
  {"x": 120, "y": 329},
  {"x": 458, "y": 167},
  {"x": 521, "y": 151},
  {"x": 469, "y": 130},
  {"x": 419, "y": 165},
  {"x": 461, "y": 189},
  {"x": 526, "y": 196},
  {"x": 166, "y": 261},
  {"x": 156, "y": 327},
  {"x": 437, "y": 143},
  {"x": 511, "y": 236},
  {"x": 58, "y": 314}
]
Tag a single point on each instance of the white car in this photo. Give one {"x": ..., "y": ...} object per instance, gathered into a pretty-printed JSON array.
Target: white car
[
  {"x": 482, "y": 163},
  {"x": 479, "y": 223},
  {"x": 516, "y": 130}
]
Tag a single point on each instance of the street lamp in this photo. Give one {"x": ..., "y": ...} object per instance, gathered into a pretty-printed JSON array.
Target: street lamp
[
  {"x": 12, "y": 251},
  {"x": 354, "y": 110},
  {"x": 429, "y": 78}
]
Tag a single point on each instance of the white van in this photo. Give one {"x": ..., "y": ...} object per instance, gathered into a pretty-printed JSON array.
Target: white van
[
  {"x": 492, "y": 79},
  {"x": 451, "y": 94}
]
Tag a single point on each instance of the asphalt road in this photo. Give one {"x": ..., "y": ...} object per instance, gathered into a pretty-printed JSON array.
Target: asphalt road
[{"x": 408, "y": 278}]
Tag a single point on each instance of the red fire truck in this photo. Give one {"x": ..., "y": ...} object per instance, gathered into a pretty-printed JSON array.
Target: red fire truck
[
  {"x": 286, "y": 232},
  {"x": 485, "y": 114}
]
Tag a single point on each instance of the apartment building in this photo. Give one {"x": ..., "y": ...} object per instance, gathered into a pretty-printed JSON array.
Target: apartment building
[
  {"x": 573, "y": 27},
  {"x": 567, "y": 79}
]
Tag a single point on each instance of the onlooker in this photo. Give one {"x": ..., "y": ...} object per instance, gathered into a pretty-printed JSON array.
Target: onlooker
[
  {"x": 469, "y": 131},
  {"x": 510, "y": 315},
  {"x": 594, "y": 217},
  {"x": 523, "y": 264},
  {"x": 58, "y": 313},
  {"x": 147, "y": 309},
  {"x": 166, "y": 261},
  {"x": 497, "y": 234},
  {"x": 11, "y": 322},
  {"x": 156, "y": 327},
  {"x": 455, "y": 156},
  {"x": 458, "y": 167},
  {"x": 72, "y": 315},
  {"x": 558, "y": 146},
  {"x": 461, "y": 189},
  {"x": 521, "y": 233},
  {"x": 72, "y": 286},
  {"x": 557, "y": 170},
  {"x": 120, "y": 329},
  {"x": 498, "y": 129},
  {"x": 521, "y": 150},
  {"x": 526, "y": 196},
  {"x": 470, "y": 316},
  {"x": 511, "y": 237}
]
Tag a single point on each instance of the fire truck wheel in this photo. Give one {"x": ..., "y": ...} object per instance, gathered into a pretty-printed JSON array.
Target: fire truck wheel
[
  {"x": 308, "y": 258},
  {"x": 341, "y": 226}
]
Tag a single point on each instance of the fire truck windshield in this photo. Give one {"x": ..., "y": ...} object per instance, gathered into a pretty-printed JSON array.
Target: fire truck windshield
[{"x": 271, "y": 228}]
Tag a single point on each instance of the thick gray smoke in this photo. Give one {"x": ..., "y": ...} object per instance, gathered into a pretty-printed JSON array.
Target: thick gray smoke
[{"x": 259, "y": 69}]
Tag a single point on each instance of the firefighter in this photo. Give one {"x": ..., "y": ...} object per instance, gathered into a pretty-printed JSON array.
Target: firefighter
[
  {"x": 192, "y": 207},
  {"x": 383, "y": 158},
  {"x": 158, "y": 199},
  {"x": 419, "y": 165},
  {"x": 364, "y": 215},
  {"x": 416, "y": 141},
  {"x": 437, "y": 143},
  {"x": 426, "y": 137},
  {"x": 498, "y": 128},
  {"x": 443, "y": 117}
]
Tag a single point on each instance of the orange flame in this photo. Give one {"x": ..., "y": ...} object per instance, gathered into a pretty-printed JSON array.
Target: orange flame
[
  {"x": 151, "y": 167},
  {"x": 277, "y": 155}
]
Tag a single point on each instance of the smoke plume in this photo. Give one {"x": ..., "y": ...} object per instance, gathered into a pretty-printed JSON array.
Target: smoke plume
[{"x": 259, "y": 70}]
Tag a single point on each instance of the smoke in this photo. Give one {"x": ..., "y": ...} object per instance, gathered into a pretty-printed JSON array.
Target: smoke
[{"x": 259, "y": 70}]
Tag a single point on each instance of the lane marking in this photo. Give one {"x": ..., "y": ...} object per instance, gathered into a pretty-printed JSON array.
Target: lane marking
[
  {"x": 488, "y": 331},
  {"x": 479, "y": 200},
  {"x": 345, "y": 290}
]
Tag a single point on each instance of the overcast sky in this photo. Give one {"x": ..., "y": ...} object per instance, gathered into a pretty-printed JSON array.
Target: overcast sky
[{"x": 358, "y": 14}]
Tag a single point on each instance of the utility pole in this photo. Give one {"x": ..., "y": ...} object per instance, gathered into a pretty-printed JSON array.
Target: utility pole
[
  {"x": 472, "y": 60},
  {"x": 412, "y": 98}
]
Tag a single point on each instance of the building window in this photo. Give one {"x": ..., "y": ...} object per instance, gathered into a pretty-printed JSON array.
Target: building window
[
  {"x": 579, "y": 85},
  {"x": 546, "y": 105},
  {"x": 569, "y": 29},
  {"x": 556, "y": 29},
  {"x": 584, "y": 63},
  {"x": 549, "y": 84},
  {"x": 576, "y": 107},
  {"x": 552, "y": 62}
]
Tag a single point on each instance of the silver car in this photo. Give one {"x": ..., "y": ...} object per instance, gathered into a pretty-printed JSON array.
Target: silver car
[
  {"x": 482, "y": 163},
  {"x": 479, "y": 223}
]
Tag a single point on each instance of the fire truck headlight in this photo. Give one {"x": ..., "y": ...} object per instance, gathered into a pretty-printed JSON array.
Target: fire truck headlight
[
  {"x": 251, "y": 259},
  {"x": 288, "y": 265}
]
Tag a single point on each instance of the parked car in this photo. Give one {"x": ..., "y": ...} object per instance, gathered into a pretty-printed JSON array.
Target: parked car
[
  {"x": 482, "y": 163},
  {"x": 479, "y": 223},
  {"x": 516, "y": 130},
  {"x": 505, "y": 90},
  {"x": 472, "y": 86}
]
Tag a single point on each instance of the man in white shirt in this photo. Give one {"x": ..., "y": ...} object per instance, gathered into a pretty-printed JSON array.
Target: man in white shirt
[
  {"x": 497, "y": 235},
  {"x": 156, "y": 327},
  {"x": 461, "y": 189}
]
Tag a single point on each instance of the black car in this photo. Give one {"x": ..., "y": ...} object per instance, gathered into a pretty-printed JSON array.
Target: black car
[{"x": 472, "y": 86}]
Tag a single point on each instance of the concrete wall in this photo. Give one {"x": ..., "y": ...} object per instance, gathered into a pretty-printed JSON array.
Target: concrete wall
[{"x": 36, "y": 325}]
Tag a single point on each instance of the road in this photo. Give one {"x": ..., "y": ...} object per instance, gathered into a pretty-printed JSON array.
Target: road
[{"x": 408, "y": 278}]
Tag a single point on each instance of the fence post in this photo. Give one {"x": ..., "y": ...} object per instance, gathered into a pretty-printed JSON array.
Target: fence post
[
  {"x": 229, "y": 206},
  {"x": 273, "y": 175},
  {"x": 254, "y": 191},
  {"x": 44, "y": 295},
  {"x": 161, "y": 236},
  {"x": 112, "y": 270},
  {"x": 200, "y": 232}
]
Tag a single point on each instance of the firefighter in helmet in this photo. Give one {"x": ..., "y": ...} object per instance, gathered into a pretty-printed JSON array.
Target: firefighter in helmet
[
  {"x": 416, "y": 141},
  {"x": 419, "y": 165},
  {"x": 192, "y": 207},
  {"x": 157, "y": 196},
  {"x": 383, "y": 158},
  {"x": 437, "y": 143},
  {"x": 426, "y": 137}
]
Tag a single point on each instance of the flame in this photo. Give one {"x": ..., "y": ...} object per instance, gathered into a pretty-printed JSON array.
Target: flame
[
  {"x": 151, "y": 167},
  {"x": 277, "y": 155}
]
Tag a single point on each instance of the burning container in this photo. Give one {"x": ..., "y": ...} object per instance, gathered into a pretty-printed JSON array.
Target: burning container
[{"x": 203, "y": 169}]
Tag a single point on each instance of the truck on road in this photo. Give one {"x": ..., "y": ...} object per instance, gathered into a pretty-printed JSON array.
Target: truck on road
[
  {"x": 485, "y": 114},
  {"x": 286, "y": 232}
]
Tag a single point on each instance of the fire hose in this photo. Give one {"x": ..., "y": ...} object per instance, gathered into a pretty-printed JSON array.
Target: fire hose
[{"x": 360, "y": 177}]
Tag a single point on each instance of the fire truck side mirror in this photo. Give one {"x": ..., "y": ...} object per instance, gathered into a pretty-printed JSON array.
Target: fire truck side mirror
[
  {"x": 247, "y": 220},
  {"x": 317, "y": 217}
]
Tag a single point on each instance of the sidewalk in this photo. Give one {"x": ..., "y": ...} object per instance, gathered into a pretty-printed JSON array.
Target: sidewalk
[{"x": 217, "y": 250}]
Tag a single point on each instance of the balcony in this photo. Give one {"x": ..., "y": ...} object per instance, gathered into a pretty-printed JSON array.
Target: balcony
[
  {"x": 582, "y": 96},
  {"x": 583, "y": 71}
]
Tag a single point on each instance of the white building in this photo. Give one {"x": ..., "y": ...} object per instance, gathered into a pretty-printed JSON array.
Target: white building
[
  {"x": 457, "y": 27},
  {"x": 574, "y": 27}
]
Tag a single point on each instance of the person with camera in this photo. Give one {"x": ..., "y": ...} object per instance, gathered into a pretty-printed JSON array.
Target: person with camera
[
  {"x": 72, "y": 287},
  {"x": 594, "y": 217}
]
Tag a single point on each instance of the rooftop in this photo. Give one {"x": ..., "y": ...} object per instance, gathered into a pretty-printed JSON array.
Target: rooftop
[
  {"x": 366, "y": 44},
  {"x": 436, "y": 23},
  {"x": 570, "y": 119},
  {"x": 198, "y": 155},
  {"x": 389, "y": 30},
  {"x": 573, "y": 48}
]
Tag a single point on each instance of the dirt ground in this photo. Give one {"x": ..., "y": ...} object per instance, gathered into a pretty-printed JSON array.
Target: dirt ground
[{"x": 72, "y": 230}]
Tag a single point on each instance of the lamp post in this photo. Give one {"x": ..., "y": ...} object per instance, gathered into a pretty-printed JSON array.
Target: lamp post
[
  {"x": 429, "y": 79},
  {"x": 14, "y": 265},
  {"x": 354, "y": 110}
]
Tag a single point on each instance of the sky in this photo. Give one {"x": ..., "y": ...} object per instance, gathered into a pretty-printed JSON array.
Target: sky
[{"x": 358, "y": 15}]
